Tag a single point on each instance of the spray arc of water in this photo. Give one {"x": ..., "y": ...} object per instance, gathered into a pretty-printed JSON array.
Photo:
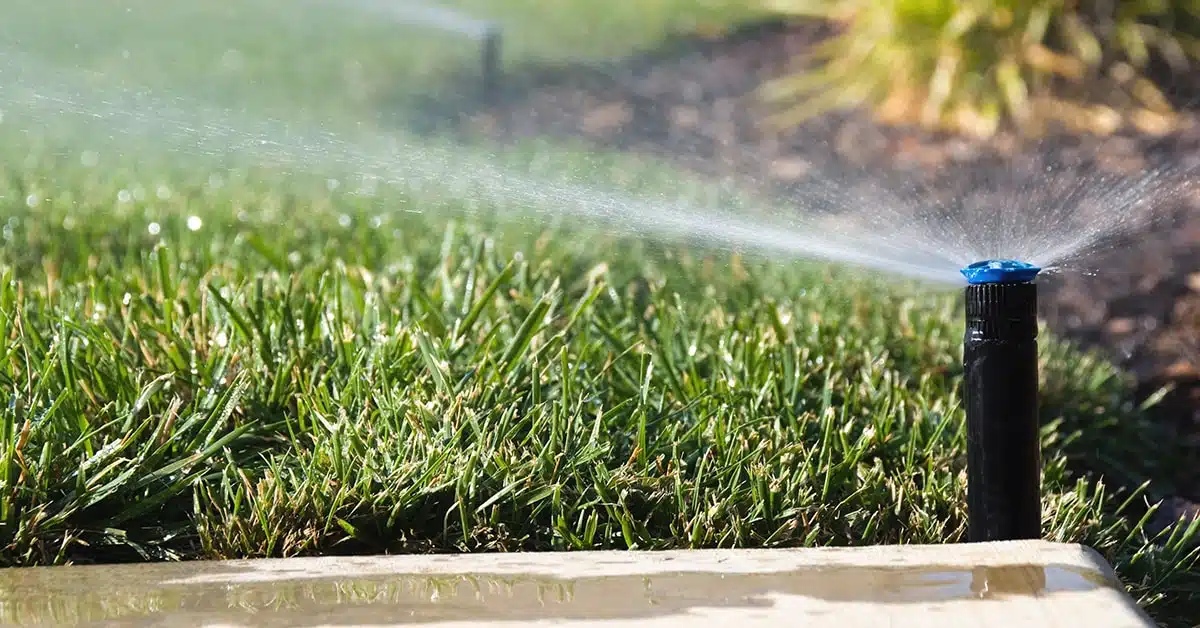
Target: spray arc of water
[
  {"x": 416, "y": 13},
  {"x": 873, "y": 233}
]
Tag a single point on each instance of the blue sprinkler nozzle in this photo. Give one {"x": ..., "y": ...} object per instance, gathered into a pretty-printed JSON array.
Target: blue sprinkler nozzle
[{"x": 1000, "y": 271}]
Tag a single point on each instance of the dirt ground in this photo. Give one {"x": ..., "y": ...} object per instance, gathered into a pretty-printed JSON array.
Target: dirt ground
[{"x": 691, "y": 102}]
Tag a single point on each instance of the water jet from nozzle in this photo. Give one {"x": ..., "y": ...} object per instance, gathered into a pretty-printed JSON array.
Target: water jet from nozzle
[{"x": 1000, "y": 364}]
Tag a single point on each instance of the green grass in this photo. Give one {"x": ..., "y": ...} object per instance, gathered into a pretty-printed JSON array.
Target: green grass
[{"x": 329, "y": 374}]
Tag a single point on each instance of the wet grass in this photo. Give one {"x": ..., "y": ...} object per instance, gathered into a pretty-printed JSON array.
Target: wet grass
[{"x": 248, "y": 371}]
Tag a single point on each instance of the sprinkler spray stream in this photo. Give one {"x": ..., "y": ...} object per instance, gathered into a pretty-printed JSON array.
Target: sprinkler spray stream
[{"x": 1001, "y": 395}]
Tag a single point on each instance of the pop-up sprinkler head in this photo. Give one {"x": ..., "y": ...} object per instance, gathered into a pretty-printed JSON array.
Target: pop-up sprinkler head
[
  {"x": 1001, "y": 398},
  {"x": 490, "y": 57}
]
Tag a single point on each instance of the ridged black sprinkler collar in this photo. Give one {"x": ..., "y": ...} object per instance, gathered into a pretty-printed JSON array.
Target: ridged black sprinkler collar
[{"x": 1000, "y": 360}]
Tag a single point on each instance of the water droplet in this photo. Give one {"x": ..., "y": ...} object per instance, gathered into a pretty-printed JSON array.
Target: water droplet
[
  {"x": 222, "y": 340},
  {"x": 124, "y": 196},
  {"x": 163, "y": 192},
  {"x": 194, "y": 223},
  {"x": 33, "y": 200},
  {"x": 68, "y": 223},
  {"x": 139, "y": 193},
  {"x": 332, "y": 184},
  {"x": 344, "y": 220},
  {"x": 126, "y": 299},
  {"x": 369, "y": 186},
  {"x": 233, "y": 59},
  {"x": 154, "y": 228}
]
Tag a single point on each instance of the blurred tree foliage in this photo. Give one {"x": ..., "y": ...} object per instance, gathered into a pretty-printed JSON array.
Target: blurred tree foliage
[{"x": 972, "y": 65}]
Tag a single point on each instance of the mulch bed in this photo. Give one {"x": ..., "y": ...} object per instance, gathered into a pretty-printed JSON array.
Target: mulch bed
[{"x": 691, "y": 102}]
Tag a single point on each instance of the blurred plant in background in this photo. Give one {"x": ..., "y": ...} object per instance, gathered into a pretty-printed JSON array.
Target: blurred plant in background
[{"x": 974, "y": 65}]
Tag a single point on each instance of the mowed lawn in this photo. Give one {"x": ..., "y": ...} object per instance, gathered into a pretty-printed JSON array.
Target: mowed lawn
[{"x": 275, "y": 366}]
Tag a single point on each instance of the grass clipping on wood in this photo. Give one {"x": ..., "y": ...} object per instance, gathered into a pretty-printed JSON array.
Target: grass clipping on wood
[{"x": 970, "y": 67}]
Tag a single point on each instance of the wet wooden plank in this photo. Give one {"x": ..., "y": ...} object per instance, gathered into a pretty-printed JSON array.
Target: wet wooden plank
[{"x": 1002, "y": 584}]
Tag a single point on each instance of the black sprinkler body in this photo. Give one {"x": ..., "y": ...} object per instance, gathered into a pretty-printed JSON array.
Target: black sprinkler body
[
  {"x": 1000, "y": 361},
  {"x": 490, "y": 62}
]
